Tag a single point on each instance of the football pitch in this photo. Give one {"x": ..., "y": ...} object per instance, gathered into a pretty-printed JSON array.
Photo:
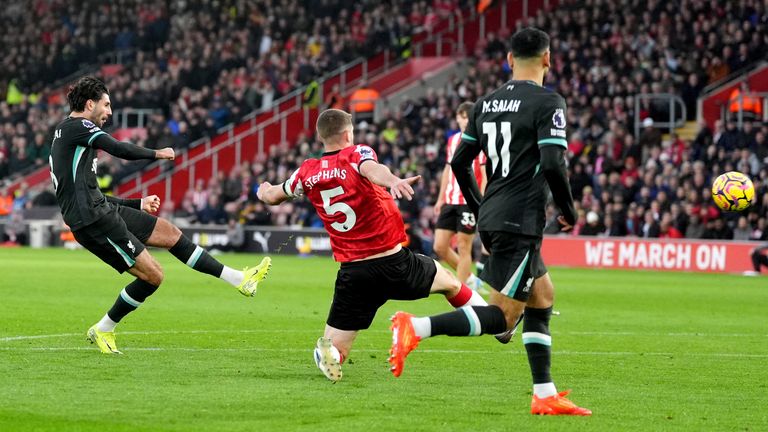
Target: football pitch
[{"x": 644, "y": 350}]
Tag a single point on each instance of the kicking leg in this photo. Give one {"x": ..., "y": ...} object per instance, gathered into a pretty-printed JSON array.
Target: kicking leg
[{"x": 168, "y": 236}]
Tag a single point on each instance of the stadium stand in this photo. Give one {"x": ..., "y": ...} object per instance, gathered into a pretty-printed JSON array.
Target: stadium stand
[
  {"x": 200, "y": 69},
  {"x": 652, "y": 185}
]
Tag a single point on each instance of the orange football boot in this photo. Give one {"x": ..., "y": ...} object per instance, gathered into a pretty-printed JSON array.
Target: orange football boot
[
  {"x": 557, "y": 405},
  {"x": 404, "y": 340}
]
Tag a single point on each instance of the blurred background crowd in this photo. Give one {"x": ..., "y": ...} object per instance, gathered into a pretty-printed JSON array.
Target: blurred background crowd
[{"x": 203, "y": 66}]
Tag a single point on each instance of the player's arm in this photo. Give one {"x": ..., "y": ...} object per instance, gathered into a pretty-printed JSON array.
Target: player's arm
[
  {"x": 462, "y": 165},
  {"x": 381, "y": 175},
  {"x": 272, "y": 194},
  {"x": 150, "y": 204},
  {"x": 554, "y": 170},
  {"x": 125, "y": 202},
  {"x": 552, "y": 147},
  {"x": 125, "y": 150},
  {"x": 276, "y": 194}
]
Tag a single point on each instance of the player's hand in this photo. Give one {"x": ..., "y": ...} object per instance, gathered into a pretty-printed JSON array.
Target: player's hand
[
  {"x": 564, "y": 225},
  {"x": 402, "y": 187},
  {"x": 151, "y": 204},
  {"x": 165, "y": 153},
  {"x": 263, "y": 189},
  {"x": 438, "y": 207}
]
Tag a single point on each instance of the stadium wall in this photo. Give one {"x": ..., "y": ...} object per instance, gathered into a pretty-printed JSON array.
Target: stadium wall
[
  {"x": 582, "y": 252},
  {"x": 650, "y": 254}
]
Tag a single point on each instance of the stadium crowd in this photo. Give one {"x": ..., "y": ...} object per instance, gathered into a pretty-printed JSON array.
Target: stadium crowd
[
  {"x": 200, "y": 64},
  {"x": 652, "y": 185}
]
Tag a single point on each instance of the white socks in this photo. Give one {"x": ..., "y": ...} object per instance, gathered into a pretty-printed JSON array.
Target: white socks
[
  {"x": 476, "y": 300},
  {"x": 234, "y": 277},
  {"x": 422, "y": 327},
  {"x": 106, "y": 324},
  {"x": 544, "y": 390}
]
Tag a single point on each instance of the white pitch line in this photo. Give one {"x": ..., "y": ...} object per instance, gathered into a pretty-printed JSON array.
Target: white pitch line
[
  {"x": 563, "y": 333},
  {"x": 426, "y": 351},
  {"x": 158, "y": 332}
]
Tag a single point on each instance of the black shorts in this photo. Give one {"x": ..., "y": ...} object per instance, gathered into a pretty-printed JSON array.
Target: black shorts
[
  {"x": 514, "y": 264},
  {"x": 456, "y": 218},
  {"x": 363, "y": 286},
  {"x": 118, "y": 237}
]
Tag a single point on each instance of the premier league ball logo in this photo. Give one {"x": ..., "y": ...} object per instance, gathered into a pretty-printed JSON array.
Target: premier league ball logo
[
  {"x": 558, "y": 118},
  {"x": 88, "y": 124}
]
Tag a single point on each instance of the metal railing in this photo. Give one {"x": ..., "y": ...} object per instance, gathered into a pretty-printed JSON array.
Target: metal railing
[
  {"x": 130, "y": 117},
  {"x": 672, "y": 102},
  {"x": 281, "y": 112}
]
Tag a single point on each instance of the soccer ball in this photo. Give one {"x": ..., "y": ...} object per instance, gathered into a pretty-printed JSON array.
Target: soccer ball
[{"x": 733, "y": 191}]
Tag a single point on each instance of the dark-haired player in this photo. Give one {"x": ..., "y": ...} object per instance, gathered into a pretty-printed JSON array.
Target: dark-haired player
[
  {"x": 521, "y": 128},
  {"x": 115, "y": 229},
  {"x": 347, "y": 188}
]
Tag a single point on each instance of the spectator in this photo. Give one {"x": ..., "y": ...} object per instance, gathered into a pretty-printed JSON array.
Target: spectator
[
  {"x": 650, "y": 228},
  {"x": 212, "y": 212},
  {"x": 15, "y": 230},
  {"x": 718, "y": 230},
  {"x": 743, "y": 231},
  {"x": 650, "y": 136},
  {"x": 363, "y": 102}
]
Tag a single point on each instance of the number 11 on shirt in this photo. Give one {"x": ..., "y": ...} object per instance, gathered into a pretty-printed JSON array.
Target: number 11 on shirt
[{"x": 489, "y": 128}]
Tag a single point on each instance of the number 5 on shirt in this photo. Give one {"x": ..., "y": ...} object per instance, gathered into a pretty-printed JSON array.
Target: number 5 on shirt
[{"x": 338, "y": 207}]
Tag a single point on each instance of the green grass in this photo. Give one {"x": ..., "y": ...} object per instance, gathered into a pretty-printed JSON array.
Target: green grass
[{"x": 645, "y": 351}]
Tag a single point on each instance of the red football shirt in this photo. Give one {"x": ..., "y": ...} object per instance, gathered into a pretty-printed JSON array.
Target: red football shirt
[
  {"x": 361, "y": 217},
  {"x": 453, "y": 195}
]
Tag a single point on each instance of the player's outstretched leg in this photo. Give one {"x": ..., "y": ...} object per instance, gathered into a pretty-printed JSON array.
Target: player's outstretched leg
[
  {"x": 149, "y": 276},
  {"x": 408, "y": 330},
  {"x": 404, "y": 340},
  {"x": 168, "y": 236}
]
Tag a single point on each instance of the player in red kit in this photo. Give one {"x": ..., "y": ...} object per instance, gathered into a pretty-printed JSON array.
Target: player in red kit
[
  {"x": 454, "y": 216},
  {"x": 347, "y": 186}
]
